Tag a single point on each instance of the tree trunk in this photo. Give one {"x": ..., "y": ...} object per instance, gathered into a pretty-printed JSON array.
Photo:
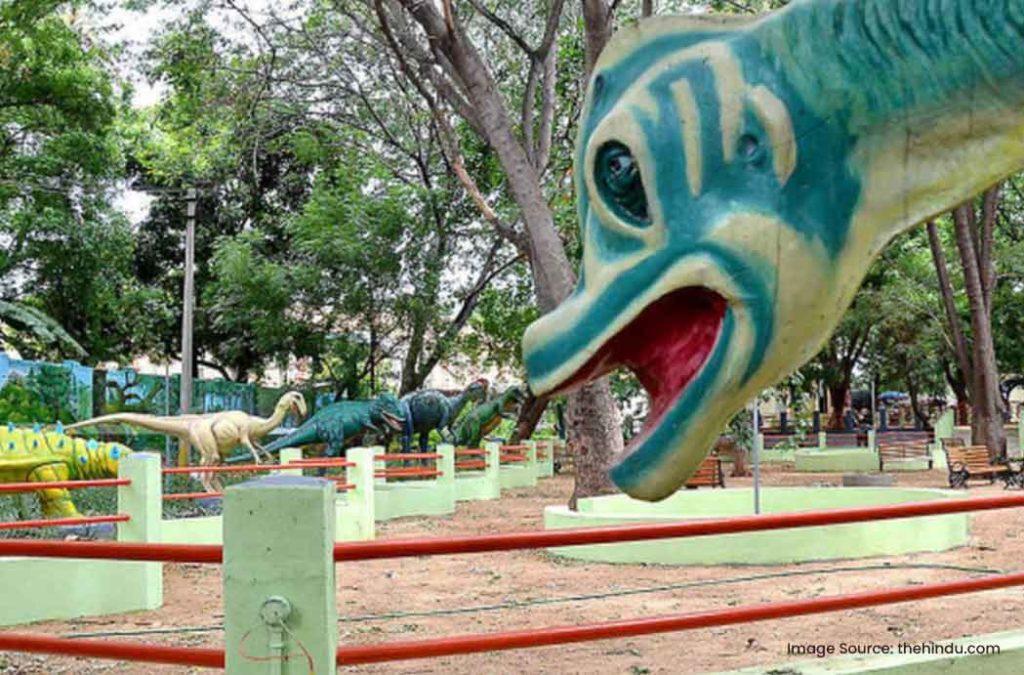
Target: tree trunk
[
  {"x": 529, "y": 417},
  {"x": 838, "y": 392},
  {"x": 987, "y": 425},
  {"x": 589, "y": 428}
]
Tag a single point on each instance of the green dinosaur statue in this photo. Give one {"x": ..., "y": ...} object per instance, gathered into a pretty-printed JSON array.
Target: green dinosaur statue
[
  {"x": 45, "y": 456},
  {"x": 482, "y": 419},
  {"x": 430, "y": 409},
  {"x": 735, "y": 180},
  {"x": 340, "y": 424}
]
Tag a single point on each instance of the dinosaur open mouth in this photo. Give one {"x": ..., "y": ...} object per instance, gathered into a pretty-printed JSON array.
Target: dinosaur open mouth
[
  {"x": 665, "y": 347},
  {"x": 393, "y": 421}
]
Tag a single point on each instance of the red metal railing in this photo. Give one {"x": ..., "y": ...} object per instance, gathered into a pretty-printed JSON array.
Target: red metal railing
[
  {"x": 255, "y": 468},
  {"x": 410, "y": 472},
  {"x": 539, "y": 637},
  {"x": 121, "y": 651},
  {"x": 399, "y": 548},
  {"x": 63, "y": 522},
  {"x": 112, "y": 550},
  {"x": 471, "y": 464},
  {"x": 470, "y": 452},
  {"x": 511, "y": 458},
  {"x": 401, "y": 457},
  {"x": 180, "y": 496},
  {"x": 63, "y": 484}
]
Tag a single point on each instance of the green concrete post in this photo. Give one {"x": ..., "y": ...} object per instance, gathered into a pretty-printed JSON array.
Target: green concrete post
[
  {"x": 361, "y": 497},
  {"x": 493, "y": 470},
  {"x": 380, "y": 465},
  {"x": 1020, "y": 433},
  {"x": 446, "y": 465},
  {"x": 546, "y": 465},
  {"x": 871, "y": 440},
  {"x": 289, "y": 455},
  {"x": 531, "y": 458},
  {"x": 822, "y": 441},
  {"x": 279, "y": 590},
  {"x": 143, "y": 501},
  {"x": 944, "y": 425}
]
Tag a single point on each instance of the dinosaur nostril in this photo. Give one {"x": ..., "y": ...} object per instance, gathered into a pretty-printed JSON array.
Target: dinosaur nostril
[{"x": 749, "y": 147}]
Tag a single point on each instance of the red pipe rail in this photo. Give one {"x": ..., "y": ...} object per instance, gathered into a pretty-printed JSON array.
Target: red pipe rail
[
  {"x": 180, "y": 496},
  {"x": 402, "y": 548},
  {"x": 253, "y": 468},
  {"x": 112, "y": 550},
  {"x": 410, "y": 472},
  {"x": 513, "y": 448},
  {"x": 470, "y": 452},
  {"x": 533, "y": 638},
  {"x": 121, "y": 651},
  {"x": 34, "y": 486},
  {"x": 513, "y": 459},
  {"x": 63, "y": 522},
  {"x": 471, "y": 464},
  {"x": 400, "y": 457},
  {"x": 320, "y": 460},
  {"x": 539, "y": 637}
]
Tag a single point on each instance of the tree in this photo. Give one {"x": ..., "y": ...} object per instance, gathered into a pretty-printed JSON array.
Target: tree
[
  {"x": 68, "y": 287},
  {"x": 974, "y": 232},
  {"x": 439, "y": 51}
]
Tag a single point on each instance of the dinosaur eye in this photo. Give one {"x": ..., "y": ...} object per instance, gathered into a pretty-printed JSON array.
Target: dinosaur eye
[{"x": 618, "y": 179}]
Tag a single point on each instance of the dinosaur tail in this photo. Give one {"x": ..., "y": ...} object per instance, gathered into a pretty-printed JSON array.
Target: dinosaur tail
[
  {"x": 166, "y": 425},
  {"x": 304, "y": 435}
]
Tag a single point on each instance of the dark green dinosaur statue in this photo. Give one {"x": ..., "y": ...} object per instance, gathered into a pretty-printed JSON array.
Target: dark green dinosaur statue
[
  {"x": 481, "y": 420},
  {"x": 430, "y": 409},
  {"x": 340, "y": 424}
]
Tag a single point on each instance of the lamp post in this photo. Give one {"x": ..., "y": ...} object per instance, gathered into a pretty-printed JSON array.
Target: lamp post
[{"x": 188, "y": 310}]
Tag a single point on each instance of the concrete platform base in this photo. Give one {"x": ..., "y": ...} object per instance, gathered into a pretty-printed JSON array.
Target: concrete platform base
[
  {"x": 833, "y": 542},
  {"x": 821, "y": 461}
]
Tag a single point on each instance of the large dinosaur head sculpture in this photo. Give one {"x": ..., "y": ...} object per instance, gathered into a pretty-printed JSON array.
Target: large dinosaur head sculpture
[
  {"x": 735, "y": 181},
  {"x": 292, "y": 402},
  {"x": 388, "y": 410}
]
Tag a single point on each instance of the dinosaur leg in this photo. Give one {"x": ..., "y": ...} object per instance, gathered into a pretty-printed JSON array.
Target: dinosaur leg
[
  {"x": 247, "y": 442},
  {"x": 54, "y": 503},
  {"x": 206, "y": 443}
]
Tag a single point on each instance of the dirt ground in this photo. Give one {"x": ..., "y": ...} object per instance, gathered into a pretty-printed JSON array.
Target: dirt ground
[{"x": 371, "y": 593}]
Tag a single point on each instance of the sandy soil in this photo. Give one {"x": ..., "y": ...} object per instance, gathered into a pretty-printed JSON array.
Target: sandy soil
[{"x": 369, "y": 591}]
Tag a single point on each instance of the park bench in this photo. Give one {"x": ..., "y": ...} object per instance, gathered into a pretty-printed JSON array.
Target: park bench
[
  {"x": 902, "y": 451},
  {"x": 973, "y": 462},
  {"x": 709, "y": 474}
]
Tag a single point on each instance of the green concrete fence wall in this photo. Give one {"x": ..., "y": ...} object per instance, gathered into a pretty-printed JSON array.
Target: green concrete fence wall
[
  {"x": 481, "y": 485},
  {"x": 42, "y": 589}
]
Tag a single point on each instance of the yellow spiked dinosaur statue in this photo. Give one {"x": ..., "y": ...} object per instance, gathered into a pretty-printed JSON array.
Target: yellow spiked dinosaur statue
[
  {"x": 46, "y": 456},
  {"x": 212, "y": 434}
]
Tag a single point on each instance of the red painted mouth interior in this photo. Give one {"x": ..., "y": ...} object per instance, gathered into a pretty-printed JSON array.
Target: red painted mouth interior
[{"x": 665, "y": 347}]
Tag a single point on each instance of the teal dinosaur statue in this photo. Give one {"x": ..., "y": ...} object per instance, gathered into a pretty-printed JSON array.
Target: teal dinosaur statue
[
  {"x": 430, "y": 409},
  {"x": 481, "y": 420},
  {"x": 340, "y": 424},
  {"x": 736, "y": 179}
]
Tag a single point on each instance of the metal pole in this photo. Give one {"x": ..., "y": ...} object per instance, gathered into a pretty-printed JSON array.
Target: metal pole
[
  {"x": 757, "y": 460},
  {"x": 874, "y": 406},
  {"x": 188, "y": 309}
]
